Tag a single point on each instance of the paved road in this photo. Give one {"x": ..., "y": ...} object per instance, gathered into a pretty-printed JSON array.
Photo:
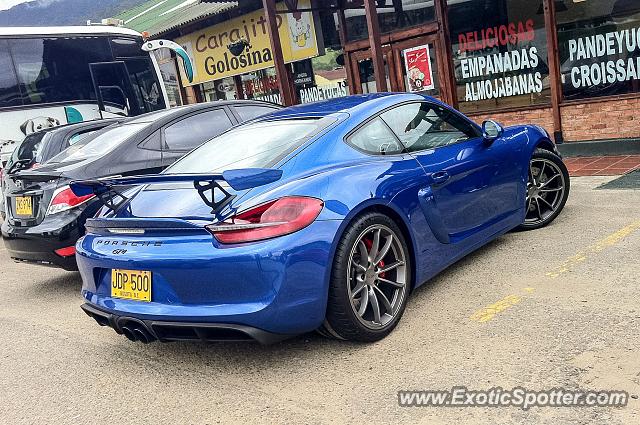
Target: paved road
[{"x": 523, "y": 311}]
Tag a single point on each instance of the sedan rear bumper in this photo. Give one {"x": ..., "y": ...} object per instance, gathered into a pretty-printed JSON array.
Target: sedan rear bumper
[
  {"x": 29, "y": 245},
  {"x": 37, "y": 243}
]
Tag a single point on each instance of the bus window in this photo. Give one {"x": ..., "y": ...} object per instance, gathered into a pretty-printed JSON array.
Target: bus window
[
  {"x": 9, "y": 92},
  {"x": 55, "y": 69},
  {"x": 114, "y": 89},
  {"x": 145, "y": 84},
  {"x": 127, "y": 48}
]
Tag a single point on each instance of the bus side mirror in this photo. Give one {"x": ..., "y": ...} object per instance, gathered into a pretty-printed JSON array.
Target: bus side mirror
[{"x": 491, "y": 130}]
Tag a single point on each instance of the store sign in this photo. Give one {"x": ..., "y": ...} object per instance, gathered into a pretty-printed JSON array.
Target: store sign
[
  {"x": 417, "y": 65},
  {"x": 302, "y": 78},
  {"x": 323, "y": 92},
  {"x": 603, "y": 60},
  {"x": 512, "y": 72},
  {"x": 303, "y": 73},
  {"x": 242, "y": 44}
]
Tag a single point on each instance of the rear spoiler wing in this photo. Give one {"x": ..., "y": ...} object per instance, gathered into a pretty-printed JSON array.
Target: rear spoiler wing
[
  {"x": 240, "y": 179},
  {"x": 34, "y": 176}
]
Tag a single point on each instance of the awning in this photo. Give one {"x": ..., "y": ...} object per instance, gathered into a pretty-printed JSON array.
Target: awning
[{"x": 161, "y": 16}]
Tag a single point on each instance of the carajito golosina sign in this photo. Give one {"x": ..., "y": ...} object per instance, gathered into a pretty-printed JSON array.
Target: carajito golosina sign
[{"x": 242, "y": 44}]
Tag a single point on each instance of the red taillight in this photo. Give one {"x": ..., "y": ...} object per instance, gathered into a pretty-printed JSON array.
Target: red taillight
[
  {"x": 275, "y": 218},
  {"x": 34, "y": 165},
  {"x": 66, "y": 252},
  {"x": 64, "y": 199}
]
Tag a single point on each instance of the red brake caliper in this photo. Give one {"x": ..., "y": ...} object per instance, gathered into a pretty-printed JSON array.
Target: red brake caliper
[{"x": 369, "y": 243}]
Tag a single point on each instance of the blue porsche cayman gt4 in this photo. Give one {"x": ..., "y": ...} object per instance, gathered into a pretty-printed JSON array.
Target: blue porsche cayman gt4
[{"x": 322, "y": 216}]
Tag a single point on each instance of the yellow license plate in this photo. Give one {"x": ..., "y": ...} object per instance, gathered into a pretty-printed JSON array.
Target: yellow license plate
[
  {"x": 24, "y": 205},
  {"x": 131, "y": 284}
]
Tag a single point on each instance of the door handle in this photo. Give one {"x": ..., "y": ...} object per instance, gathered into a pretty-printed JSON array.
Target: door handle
[{"x": 440, "y": 177}]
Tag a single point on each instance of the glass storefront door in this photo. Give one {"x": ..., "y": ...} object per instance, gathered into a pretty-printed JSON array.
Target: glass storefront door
[
  {"x": 362, "y": 66},
  {"x": 410, "y": 66},
  {"x": 416, "y": 63}
]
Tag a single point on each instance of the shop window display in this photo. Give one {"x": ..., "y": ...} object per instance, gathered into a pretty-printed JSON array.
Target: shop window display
[
  {"x": 393, "y": 15},
  {"x": 599, "y": 47},
  {"x": 222, "y": 89},
  {"x": 500, "y": 54},
  {"x": 262, "y": 85}
]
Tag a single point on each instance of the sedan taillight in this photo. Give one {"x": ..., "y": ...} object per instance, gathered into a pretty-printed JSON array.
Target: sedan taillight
[
  {"x": 64, "y": 199},
  {"x": 272, "y": 219}
]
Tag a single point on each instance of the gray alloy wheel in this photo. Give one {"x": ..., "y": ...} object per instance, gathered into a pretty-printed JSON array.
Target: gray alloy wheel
[
  {"x": 547, "y": 189},
  {"x": 377, "y": 276},
  {"x": 370, "y": 280}
]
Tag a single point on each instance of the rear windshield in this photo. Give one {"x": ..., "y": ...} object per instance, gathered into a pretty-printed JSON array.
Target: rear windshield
[
  {"x": 257, "y": 145},
  {"x": 28, "y": 149},
  {"x": 98, "y": 143}
]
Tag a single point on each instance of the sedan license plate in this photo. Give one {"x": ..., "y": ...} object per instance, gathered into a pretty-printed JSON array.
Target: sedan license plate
[
  {"x": 24, "y": 206},
  {"x": 131, "y": 284}
]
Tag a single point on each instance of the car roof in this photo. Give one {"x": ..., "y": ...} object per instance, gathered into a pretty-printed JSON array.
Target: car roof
[
  {"x": 354, "y": 104},
  {"x": 165, "y": 115}
]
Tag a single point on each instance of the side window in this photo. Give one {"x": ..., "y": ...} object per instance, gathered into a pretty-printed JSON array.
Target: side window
[
  {"x": 152, "y": 143},
  {"x": 192, "y": 131},
  {"x": 249, "y": 112},
  {"x": 421, "y": 126},
  {"x": 375, "y": 138}
]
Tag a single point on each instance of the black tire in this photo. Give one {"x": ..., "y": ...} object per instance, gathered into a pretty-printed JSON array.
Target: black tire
[
  {"x": 536, "y": 219},
  {"x": 342, "y": 322}
]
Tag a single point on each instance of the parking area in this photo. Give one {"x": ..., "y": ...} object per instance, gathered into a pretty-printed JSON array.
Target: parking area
[{"x": 556, "y": 307}]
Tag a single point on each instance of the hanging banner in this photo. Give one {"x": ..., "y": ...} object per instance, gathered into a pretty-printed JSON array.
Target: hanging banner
[
  {"x": 242, "y": 44},
  {"x": 417, "y": 65}
]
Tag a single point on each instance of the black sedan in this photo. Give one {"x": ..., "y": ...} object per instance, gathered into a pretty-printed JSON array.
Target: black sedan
[
  {"x": 43, "y": 145},
  {"x": 45, "y": 219}
]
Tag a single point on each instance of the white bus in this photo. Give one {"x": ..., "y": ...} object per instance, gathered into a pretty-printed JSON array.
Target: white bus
[{"x": 56, "y": 75}]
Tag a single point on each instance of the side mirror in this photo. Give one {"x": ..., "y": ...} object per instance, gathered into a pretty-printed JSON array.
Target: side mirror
[{"x": 491, "y": 130}]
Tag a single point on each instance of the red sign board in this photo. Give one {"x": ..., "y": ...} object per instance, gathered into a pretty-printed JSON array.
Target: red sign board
[{"x": 417, "y": 65}]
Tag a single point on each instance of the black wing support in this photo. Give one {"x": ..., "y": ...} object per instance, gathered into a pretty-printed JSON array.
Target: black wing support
[{"x": 211, "y": 200}]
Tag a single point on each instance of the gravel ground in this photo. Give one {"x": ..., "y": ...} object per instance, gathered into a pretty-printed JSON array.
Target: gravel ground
[{"x": 566, "y": 320}]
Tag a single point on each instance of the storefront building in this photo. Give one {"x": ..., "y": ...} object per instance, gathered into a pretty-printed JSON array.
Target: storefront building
[{"x": 571, "y": 66}]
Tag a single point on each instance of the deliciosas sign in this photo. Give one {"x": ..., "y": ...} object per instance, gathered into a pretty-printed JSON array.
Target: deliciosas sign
[
  {"x": 511, "y": 71},
  {"x": 242, "y": 44}
]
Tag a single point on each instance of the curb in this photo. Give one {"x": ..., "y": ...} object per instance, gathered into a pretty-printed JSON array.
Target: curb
[{"x": 611, "y": 147}]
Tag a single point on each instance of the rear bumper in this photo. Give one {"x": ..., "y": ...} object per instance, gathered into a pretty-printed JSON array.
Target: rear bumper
[
  {"x": 276, "y": 286},
  {"x": 37, "y": 244},
  {"x": 147, "y": 331}
]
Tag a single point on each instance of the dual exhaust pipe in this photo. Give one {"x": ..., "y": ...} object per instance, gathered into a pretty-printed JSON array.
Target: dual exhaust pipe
[
  {"x": 137, "y": 332},
  {"x": 133, "y": 329}
]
